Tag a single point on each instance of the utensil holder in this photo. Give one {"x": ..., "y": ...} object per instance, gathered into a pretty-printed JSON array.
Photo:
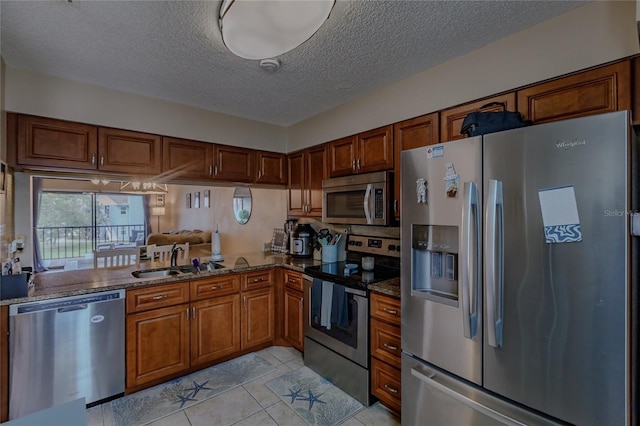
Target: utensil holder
[{"x": 329, "y": 254}]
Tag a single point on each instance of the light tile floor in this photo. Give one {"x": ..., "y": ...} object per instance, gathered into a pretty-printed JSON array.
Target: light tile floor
[{"x": 251, "y": 404}]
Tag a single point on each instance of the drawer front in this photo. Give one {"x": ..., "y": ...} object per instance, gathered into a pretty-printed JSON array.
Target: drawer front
[
  {"x": 158, "y": 296},
  {"x": 257, "y": 279},
  {"x": 385, "y": 342},
  {"x": 385, "y": 308},
  {"x": 386, "y": 384},
  {"x": 293, "y": 280},
  {"x": 215, "y": 286}
]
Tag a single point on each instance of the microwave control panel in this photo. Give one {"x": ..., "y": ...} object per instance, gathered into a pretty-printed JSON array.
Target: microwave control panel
[{"x": 378, "y": 207}]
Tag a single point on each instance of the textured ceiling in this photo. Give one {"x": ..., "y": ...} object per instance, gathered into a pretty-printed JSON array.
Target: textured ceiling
[{"x": 173, "y": 50}]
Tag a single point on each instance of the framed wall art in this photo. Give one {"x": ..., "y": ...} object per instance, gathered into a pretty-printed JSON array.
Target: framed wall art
[
  {"x": 189, "y": 200},
  {"x": 196, "y": 200},
  {"x": 206, "y": 195}
]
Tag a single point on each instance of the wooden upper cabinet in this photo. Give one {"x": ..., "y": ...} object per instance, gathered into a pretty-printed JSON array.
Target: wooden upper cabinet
[
  {"x": 56, "y": 143},
  {"x": 124, "y": 151},
  {"x": 186, "y": 159},
  {"x": 271, "y": 168},
  {"x": 233, "y": 164},
  {"x": 409, "y": 134},
  {"x": 297, "y": 186},
  {"x": 375, "y": 150},
  {"x": 316, "y": 171},
  {"x": 342, "y": 157},
  {"x": 306, "y": 170},
  {"x": 596, "y": 91},
  {"x": 451, "y": 119},
  {"x": 365, "y": 152}
]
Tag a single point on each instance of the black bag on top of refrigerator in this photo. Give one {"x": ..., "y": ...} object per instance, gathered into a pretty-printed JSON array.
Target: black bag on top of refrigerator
[{"x": 480, "y": 123}]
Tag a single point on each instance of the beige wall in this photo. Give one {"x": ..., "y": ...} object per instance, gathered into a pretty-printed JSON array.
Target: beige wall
[
  {"x": 269, "y": 210},
  {"x": 590, "y": 35},
  {"x": 39, "y": 94}
]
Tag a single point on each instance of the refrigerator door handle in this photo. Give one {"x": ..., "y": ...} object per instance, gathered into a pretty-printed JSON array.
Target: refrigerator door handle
[
  {"x": 470, "y": 249},
  {"x": 367, "y": 200},
  {"x": 494, "y": 263},
  {"x": 430, "y": 379}
]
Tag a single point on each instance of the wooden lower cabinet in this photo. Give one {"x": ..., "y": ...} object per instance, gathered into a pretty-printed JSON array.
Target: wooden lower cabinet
[
  {"x": 386, "y": 350},
  {"x": 215, "y": 328},
  {"x": 293, "y": 325},
  {"x": 257, "y": 317},
  {"x": 180, "y": 327},
  {"x": 386, "y": 385},
  {"x": 157, "y": 344}
]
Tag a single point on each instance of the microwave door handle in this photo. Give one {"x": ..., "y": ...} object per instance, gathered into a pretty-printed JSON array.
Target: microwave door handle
[{"x": 367, "y": 201}]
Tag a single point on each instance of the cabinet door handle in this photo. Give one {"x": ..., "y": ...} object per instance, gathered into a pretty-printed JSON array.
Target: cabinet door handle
[
  {"x": 259, "y": 173},
  {"x": 93, "y": 159},
  {"x": 353, "y": 164},
  {"x": 301, "y": 307},
  {"x": 210, "y": 170},
  {"x": 358, "y": 164},
  {"x": 244, "y": 300},
  {"x": 187, "y": 314},
  {"x": 395, "y": 206},
  {"x": 193, "y": 312},
  {"x": 390, "y": 311},
  {"x": 215, "y": 170},
  {"x": 102, "y": 160},
  {"x": 390, "y": 347},
  {"x": 390, "y": 389},
  {"x": 160, "y": 297}
]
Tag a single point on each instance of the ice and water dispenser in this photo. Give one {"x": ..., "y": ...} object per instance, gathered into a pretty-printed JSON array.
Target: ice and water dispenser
[{"x": 434, "y": 263}]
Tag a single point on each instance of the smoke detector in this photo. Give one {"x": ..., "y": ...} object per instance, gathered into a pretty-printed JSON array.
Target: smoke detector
[{"x": 270, "y": 65}]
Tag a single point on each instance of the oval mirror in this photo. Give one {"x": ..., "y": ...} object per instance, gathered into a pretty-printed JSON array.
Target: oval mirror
[{"x": 242, "y": 205}]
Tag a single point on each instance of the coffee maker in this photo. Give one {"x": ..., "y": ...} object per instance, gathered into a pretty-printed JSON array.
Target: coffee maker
[{"x": 289, "y": 226}]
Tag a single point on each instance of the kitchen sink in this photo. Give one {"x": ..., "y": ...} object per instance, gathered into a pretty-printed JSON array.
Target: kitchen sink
[{"x": 173, "y": 271}]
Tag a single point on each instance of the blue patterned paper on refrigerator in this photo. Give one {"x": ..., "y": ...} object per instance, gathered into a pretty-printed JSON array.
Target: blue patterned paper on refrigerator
[{"x": 560, "y": 215}]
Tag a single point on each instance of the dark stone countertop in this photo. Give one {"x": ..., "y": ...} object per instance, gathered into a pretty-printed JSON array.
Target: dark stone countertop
[
  {"x": 388, "y": 287},
  {"x": 83, "y": 281}
]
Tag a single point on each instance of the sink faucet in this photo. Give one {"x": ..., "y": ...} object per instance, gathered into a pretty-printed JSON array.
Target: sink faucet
[{"x": 174, "y": 255}]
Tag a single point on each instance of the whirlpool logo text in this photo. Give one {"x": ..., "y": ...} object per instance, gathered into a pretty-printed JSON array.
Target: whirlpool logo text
[{"x": 570, "y": 144}]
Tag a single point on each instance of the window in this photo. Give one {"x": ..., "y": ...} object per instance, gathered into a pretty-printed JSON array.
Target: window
[{"x": 72, "y": 224}]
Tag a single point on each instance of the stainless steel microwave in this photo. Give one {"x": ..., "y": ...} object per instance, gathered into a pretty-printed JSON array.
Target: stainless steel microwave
[{"x": 359, "y": 199}]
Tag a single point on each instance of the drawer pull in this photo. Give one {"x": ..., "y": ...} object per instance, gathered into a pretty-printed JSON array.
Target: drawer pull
[
  {"x": 390, "y": 389},
  {"x": 257, "y": 280},
  {"x": 293, "y": 280},
  {"x": 215, "y": 287},
  {"x": 392, "y": 348},
  {"x": 160, "y": 297},
  {"x": 390, "y": 311}
]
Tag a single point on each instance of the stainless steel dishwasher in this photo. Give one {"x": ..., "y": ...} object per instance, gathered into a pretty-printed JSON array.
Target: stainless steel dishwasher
[{"x": 64, "y": 349}]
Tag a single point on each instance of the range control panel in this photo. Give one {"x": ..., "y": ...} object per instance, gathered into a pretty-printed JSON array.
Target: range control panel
[{"x": 374, "y": 245}]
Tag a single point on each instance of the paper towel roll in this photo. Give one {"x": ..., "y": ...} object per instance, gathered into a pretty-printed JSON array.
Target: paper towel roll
[{"x": 215, "y": 245}]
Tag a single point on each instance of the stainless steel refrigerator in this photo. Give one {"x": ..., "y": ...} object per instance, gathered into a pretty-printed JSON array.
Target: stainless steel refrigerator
[{"x": 518, "y": 276}]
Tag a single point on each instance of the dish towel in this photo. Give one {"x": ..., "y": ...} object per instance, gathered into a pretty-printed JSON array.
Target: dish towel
[
  {"x": 339, "y": 310},
  {"x": 325, "y": 305},
  {"x": 316, "y": 300}
]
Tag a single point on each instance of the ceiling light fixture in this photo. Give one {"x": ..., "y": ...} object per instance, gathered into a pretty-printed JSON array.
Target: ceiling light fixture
[{"x": 265, "y": 29}]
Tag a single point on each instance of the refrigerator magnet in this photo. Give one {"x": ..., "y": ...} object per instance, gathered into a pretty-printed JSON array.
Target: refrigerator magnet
[
  {"x": 421, "y": 191},
  {"x": 560, "y": 215},
  {"x": 452, "y": 181},
  {"x": 435, "y": 151}
]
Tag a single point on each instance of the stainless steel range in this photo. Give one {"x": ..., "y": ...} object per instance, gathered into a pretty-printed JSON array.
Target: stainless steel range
[{"x": 336, "y": 312}]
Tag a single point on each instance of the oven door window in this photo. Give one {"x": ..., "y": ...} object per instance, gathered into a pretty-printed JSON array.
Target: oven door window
[{"x": 334, "y": 312}]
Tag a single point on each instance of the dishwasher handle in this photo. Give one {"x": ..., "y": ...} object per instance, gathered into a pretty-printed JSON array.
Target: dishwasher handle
[{"x": 66, "y": 304}]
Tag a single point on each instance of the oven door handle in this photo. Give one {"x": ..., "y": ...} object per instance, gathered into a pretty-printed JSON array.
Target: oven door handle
[{"x": 349, "y": 290}]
